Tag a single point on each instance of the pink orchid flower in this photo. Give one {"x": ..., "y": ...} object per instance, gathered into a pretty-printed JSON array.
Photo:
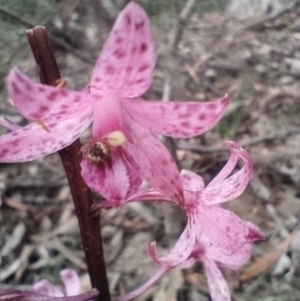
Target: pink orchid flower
[
  {"x": 206, "y": 219},
  {"x": 70, "y": 280},
  {"x": 211, "y": 258},
  {"x": 124, "y": 148},
  {"x": 46, "y": 291}
]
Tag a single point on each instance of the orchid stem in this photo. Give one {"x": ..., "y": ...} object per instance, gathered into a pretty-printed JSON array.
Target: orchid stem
[{"x": 90, "y": 228}]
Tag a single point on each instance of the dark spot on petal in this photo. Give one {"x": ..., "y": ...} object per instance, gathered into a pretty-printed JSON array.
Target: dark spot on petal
[
  {"x": 212, "y": 106},
  {"x": 184, "y": 115},
  {"x": 28, "y": 87},
  {"x": 63, "y": 92},
  {"x": 202, "y": 117},
  {"x": 176, "y": 106},
  {"x": 139, "y": 81},
  {"x": 128, "y": 20},
  {"x": 164, "y": 162},
  {"x": 77, "y": 98},
  {"x": 97, "y": 79},
  {"x": 139, "y": 25},
  {"x": 4, "y": 151},
  {"x": 119, "y": 54},
  {"x": 15, "y": 142},
  {"x": 41, "y": 89},
  {"x": 110, "y": 70},
  {"x": 52, "y": 96},
  {"x": 144, "y": 47},
  {"x": 15, "y": 88},
  {"x": 119, "y": 40},
  {"x": 64, "y": 107},
  {"x": 143, "y": 68},
  {"x": 43, "y": 109},
  {"x": 185, "y": 124}
]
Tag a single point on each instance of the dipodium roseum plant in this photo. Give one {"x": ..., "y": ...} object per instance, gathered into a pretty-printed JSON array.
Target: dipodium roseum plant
[
  {"x": 213, "y": 235},
  {"x": 124, "y": 148}
]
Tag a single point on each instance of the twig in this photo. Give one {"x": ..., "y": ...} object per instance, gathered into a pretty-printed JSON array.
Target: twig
[
  {"x": 71, "y": 158},
  {"x": 182, "y": 21},
  {"x": 254, "y": 141},
  {"x": 54, "y": 39},
  {"x": 253, "y": 25}
]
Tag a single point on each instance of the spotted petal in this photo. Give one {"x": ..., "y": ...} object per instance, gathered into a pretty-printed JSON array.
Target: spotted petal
[
  {"x": 223, "y": 229},
  {"x": 191, "y": 181},
  {"x": 156, "y": 164},
  {"x": 125, "y": 65},
  {"x": 177, "y": 119},
  {"x": 183, "y": 248},
  {"x": 232, "y": 187},
  {"x": 115, "y": 180},
  {"x": 34, "y": 140},
  {"x": 234, "y": 261},
  {"x": 218, "y": 287},
  {"x": 37, "y": 101}
]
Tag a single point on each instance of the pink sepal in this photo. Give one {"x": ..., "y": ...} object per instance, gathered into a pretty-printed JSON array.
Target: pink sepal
[
  {"x": 124, "y": 67},
  {"x": 177, "y": 119}
]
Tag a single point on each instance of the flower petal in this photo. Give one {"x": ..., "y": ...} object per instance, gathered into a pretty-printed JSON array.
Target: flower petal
[
  {"x": 177, "y": 119},
  {"x": 218, "y": 287},
  {"x": 37, "y": 101},
  {"x": 233, "y": 186},
  {"x": 191, "y": 181},
  {"x": 254, "y": 233},
  {"x": 234, "y": 261},
  {"x": 116, "y": 180},
  {"x": 34, "y": 141},
  {"x": 223, "y": 229},
  {"x": 157, "y": 275},
  {"x": 125, "y": 65},
  {"x": 181, "y": 251},
  {"x": 156, "y": 164},
  {"x": 44, "y": 287},
  {"x": 71, "y": 281}
]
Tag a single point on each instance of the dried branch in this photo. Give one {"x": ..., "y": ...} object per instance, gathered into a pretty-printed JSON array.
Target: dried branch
[
  {"x": 54, "y": 39},
  {"x": 184, "y": 15},
  {"x": 252, "y": 142}
]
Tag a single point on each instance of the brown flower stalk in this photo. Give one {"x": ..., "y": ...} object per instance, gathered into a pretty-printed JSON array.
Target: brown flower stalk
[{"x": 71, "y": 157}]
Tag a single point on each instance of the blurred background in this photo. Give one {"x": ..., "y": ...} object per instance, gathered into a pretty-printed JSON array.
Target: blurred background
[{"x": 206, "y": 48}]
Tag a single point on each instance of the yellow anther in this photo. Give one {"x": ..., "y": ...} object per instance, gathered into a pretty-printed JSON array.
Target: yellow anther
[
  {"x": 61, "y": 82},
  {"x": 115, "y": 139},
  {"x": 43, "y": 125}
]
